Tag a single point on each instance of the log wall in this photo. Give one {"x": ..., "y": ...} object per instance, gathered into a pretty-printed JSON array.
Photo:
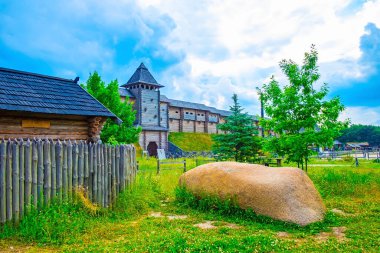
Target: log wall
[{"x": 51, "y": 127}]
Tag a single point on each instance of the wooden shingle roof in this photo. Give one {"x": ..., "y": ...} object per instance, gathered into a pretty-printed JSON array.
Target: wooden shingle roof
[
  {"x": 142, "y": 75},
  {"x": 30, "y": 92}
]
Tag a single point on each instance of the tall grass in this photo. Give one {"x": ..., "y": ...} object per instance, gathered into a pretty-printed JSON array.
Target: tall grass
[
  {"x": 63, "y": 223},
  {"x": 345, "y": 183},
  {"x": 56, "y": 224}
]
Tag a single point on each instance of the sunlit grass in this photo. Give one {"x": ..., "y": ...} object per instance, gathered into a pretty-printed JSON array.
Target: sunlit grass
[{"x": 72, "y": 227}]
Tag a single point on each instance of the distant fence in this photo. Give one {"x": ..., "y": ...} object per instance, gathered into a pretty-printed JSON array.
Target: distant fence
[
  {"x": 363, "y": 154},
  {"x": 32, "y": 173}
]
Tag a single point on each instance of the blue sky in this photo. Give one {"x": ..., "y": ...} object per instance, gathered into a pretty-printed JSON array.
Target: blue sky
[{"x": 202, "y": 51}]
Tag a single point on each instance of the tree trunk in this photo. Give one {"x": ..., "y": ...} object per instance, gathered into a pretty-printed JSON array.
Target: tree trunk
[{"x": 306, "y": 163}]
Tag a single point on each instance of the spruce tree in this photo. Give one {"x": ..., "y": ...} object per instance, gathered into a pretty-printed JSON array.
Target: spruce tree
[{"x": 238, "y": 142}]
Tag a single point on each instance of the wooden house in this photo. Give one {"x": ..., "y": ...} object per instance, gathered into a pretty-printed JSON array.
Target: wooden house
[{"x": 34, "y": 105}]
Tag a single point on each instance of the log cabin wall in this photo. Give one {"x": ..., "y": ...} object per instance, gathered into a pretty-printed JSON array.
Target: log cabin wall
[
  {"x": 164, "y": 113},
  {"x": 174, "y": 125},
  {"x": 150, "y": 106},
  {"x": 212, "y": 128},
  {"x": 16, "y": 125}
]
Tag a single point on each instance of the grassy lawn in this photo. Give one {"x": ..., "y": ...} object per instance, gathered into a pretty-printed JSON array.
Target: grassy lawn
[
  {"x": 148, "y": 218},
  {"x": 192, "y": 141}
]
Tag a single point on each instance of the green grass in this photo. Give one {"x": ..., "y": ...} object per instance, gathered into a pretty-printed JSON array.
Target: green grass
[
  {"x": 129, "y": 227},
  {"x": 192, "y": 141}
]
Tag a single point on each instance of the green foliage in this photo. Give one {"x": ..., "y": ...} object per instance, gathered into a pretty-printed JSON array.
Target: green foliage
[
  {"x": 361, "y": 133},
  {"x": 109, "y": 96},
  {"x": 56, "y": 224},
  {"x": 300, "y": 114},
  {"x": 239, "y": 141},
  {"x": 192, "y": 141},
  {"x": 144, "y": 195}
]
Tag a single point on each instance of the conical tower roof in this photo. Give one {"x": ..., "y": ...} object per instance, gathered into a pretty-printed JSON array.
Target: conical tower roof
[{"x": 142, "y": 75}]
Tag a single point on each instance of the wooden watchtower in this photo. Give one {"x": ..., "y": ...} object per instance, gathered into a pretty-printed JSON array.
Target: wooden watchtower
[{"x": 151, "y": 116}]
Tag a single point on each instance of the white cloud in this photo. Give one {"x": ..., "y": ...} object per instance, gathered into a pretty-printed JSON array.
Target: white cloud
[
  {"x": 362, "y": 115},
  {"x": 243, "y": 41}
]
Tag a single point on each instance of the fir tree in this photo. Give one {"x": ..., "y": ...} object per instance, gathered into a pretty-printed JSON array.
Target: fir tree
[{"x": 238, "y": 141}]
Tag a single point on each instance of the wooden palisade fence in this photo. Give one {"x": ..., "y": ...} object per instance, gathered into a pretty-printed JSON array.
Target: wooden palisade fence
[{"x": 32, "y": 173}]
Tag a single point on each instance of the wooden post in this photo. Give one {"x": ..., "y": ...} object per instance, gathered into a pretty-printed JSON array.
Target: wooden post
[
  {"x": 22, "y": 176},
  {"x": 113, "y": 188},
  {"x": 9, "y": 181},
  {"x": 109, "y": 175},
  {"x": 81, "y": 164},
  {"x": 158, "y": 166},
  {"x": 65, "y": 182},
  {"x": 117, "y": 169},
  {"x": 75, "y": 165},
  {"x": 105, "y": 175},
  {"x": 15, "y": 182},
  {"x": 3, "y": 203},
  {"x": 86, "y": 165},
  {"x": 90, "y": 171},
  {"x": 96, "y": 174},
  {"x": 126, "y": 161},
  {"x": 129, "y": 165},
  {"x": 28, "y": 174},
  {"x": 47, "y": 173},
  {"x": 184, "y": 165},
  {"x": 58, "y": 153},
  {"x": 99, "y": 176},
  {"x": 122, "y": 167},
  {"x": 34, "y": 173},
  {"x": 53, "y": 171},
  {"x": 278, "y": 162},
  {"x": 70, "y": 169}
]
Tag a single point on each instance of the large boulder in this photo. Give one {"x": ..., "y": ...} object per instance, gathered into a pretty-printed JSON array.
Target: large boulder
[{"x": 285, "y": 194}]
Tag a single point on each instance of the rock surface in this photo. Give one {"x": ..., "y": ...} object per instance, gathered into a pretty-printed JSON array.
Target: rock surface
[{"x": 285, "y": 194}]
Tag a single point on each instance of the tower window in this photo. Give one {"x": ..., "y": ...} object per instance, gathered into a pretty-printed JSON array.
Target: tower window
[
  {"x": 151, "y": 100},
  {"x": 145, "y": 109},
  {"x": 176, "y": 111}
]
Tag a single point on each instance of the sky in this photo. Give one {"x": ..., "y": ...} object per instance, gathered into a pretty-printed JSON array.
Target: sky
[{"x": 201, "y": 51}]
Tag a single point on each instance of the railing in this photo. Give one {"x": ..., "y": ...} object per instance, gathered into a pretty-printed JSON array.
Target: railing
[{"x": 160, "y": 163}]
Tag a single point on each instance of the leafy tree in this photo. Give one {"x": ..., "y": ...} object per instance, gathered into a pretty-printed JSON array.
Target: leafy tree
[
  {"x": 109, "y": 96},
  {"x": 361, "y": 133},
  {"x": 300, "y": 114},
  {"x": 239, "y": 141}
]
